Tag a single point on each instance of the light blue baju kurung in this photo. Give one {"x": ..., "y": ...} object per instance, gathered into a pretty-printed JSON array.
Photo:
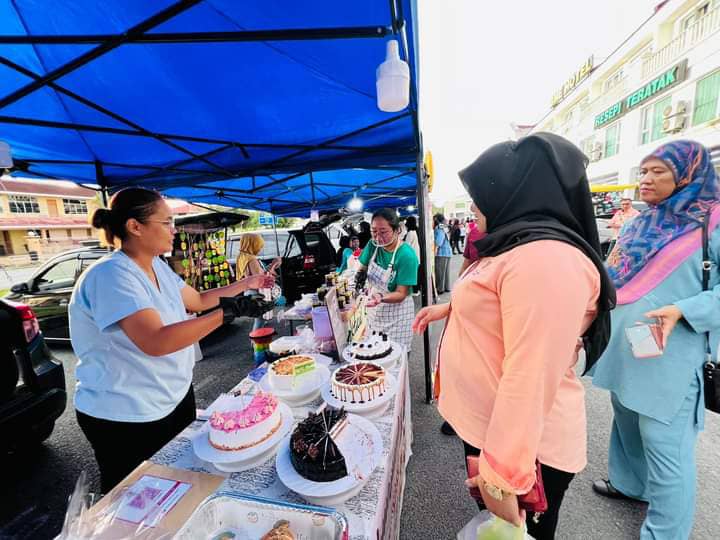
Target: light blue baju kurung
[{"x": 658, "y": 402}]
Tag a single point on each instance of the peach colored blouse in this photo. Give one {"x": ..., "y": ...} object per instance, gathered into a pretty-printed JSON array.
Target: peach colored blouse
[{"x": 507, "y": 358}]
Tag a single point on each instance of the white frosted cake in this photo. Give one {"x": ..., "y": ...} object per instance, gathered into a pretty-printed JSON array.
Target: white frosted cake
[
  {"x": 360, "y": 382},
  {"x": 375, "y": 347},
  {"x": 244, "y": 427},
  {"x": 285, "y": 373}
]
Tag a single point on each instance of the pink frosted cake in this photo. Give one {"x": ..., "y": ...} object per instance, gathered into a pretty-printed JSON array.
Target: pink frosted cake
[{"x": 243, "y": 428}]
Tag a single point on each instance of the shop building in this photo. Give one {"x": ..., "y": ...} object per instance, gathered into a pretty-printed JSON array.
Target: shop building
[
  {"x": 663, "y": 84},
  {"x": 43, "y": 217}
]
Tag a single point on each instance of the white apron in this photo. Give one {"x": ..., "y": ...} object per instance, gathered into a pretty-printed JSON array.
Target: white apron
[{"x": 395, "y": 320}]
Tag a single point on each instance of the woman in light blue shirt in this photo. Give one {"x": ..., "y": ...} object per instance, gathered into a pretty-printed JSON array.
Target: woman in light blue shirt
[
  {"x": 133, "y": 340},
  {"x": 657, "y": 267}
]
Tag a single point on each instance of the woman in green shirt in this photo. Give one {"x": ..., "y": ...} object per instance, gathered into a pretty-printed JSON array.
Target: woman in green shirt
[{"x": 391, "y": 268}]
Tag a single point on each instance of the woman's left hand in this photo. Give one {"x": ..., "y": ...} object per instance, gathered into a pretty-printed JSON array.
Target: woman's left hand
[
  {"x": 669, "y": 317},
  {"x": 506, "y": 509}
]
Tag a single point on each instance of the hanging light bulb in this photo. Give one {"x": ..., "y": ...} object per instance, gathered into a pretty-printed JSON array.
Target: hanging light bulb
[
  {"x": 392, "y": 81},
  {"x": 355, "y": 204},
  {"x": 411, "y": 208}
]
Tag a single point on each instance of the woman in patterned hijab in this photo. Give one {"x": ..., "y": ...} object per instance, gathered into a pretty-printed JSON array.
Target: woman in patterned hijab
[{"x": 657, "y": 268}]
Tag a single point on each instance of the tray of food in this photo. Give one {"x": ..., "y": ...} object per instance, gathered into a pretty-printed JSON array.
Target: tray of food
[{"x": 227, "y": 515}]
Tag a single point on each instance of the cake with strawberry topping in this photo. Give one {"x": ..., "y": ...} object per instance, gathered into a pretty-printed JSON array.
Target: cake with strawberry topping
[{"x": 247, "y": 425}]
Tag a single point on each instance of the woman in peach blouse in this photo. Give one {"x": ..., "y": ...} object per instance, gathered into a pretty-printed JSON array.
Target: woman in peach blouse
[{"x": 507, "y": 356}]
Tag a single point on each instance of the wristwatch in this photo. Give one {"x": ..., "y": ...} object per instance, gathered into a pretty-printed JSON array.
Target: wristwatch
[{"x": 494, "y": 491}]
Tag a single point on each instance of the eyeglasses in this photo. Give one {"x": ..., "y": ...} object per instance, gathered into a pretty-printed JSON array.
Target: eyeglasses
[{"x": 170, "y": 223}]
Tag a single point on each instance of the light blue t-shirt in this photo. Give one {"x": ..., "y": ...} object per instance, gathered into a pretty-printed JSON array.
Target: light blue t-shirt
[
  {"x": 442, "y": 243},
  {"x": 115, "y": 379}
]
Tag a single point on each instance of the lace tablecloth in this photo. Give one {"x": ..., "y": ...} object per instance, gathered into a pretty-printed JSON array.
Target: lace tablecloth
[{"x": 373, "y": 513}]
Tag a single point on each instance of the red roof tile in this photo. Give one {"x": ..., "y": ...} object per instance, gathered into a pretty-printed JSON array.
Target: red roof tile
[
  {"x": 44, "y": 187},
  {"x": 42, "y": 222}
]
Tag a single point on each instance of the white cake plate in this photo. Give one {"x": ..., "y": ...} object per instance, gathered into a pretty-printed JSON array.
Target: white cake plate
[
  {"x": 207, "y": 452},
  {"x": 387, "y": 362},
  {"x": 338, "y": 491},
  {"x": 305, "y": 392},
  {"x": 368, "y": 408},
  {"x": 250, "y": 463}
]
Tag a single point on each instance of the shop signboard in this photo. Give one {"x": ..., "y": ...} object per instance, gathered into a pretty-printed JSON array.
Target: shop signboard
[{"x": 639, "y": 97}]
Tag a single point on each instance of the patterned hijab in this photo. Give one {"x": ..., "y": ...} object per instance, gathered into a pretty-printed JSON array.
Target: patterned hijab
[{"x": 643, "y": 237}]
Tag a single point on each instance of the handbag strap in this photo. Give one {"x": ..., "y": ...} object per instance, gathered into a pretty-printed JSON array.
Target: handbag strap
[{"x": 706, "y": 265}]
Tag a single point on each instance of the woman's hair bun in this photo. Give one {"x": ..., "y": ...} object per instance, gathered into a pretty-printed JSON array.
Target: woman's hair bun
[{"x": 101, "y": 218}]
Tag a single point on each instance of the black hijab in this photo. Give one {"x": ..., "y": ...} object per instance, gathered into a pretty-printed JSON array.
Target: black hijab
[{"x": 537, "y": 189}]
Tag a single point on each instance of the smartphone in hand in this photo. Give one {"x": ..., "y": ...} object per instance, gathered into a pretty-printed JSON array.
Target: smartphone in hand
[{"x": 645, "y": 340}]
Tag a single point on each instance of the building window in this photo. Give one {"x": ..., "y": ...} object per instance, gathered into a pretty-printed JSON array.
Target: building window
[
  {"x": 614, "y": 80},
  {"x": 612, "y": 140},
  {"x": 586, "y": 145},
  {"x": 23, "y": 204},
  {"x": 645, "y": 125},
  {"x": 706, "y": 99},
  {"x": 75, "y": 206},
  {"x": 658, "y": 108}
]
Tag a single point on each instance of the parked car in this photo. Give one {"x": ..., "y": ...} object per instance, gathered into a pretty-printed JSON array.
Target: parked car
[
  {"x": 307, "y": 256},
  {"x": 32, "y": 381},
  {"x": 48, "y": 290},
  {"x": 606, "y": 233}
]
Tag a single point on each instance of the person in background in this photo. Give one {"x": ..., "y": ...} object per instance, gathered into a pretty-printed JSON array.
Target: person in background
[
  {"x": 132, "y": 337},
  {"x": 412, "y": 240},
  {"x": 389, "y": 267},
  {"x": 470, "y": 255},
  {"x": 340, "y": 254},
  {"x": 622, "y": 216},
  {"x": 353, "y": 245},
  {"x": 364, "y": 235},
  {"x": 658, "y": 402},
  {"x": 443, "y": 253},
  {"x": 461, "y": 242},
  {"x": 506, "y": 378},
  {"x": 455, "y": 237},
  {"x": 247, "y": 264}
]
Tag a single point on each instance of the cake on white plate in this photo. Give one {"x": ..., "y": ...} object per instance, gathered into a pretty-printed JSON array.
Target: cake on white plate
[
  {"x": 286, "y": 373},
  {"x": 360, "y": 382},
  {"x": 240, "y": 425},
  {"x": 374, "y": 347}
]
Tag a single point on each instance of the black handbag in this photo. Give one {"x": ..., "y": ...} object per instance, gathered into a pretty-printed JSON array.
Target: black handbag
[{"x": 711, "y": 370}]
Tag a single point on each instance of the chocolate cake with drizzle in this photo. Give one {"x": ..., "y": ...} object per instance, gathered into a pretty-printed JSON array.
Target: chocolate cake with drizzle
[{"x": 312, "y": 451}]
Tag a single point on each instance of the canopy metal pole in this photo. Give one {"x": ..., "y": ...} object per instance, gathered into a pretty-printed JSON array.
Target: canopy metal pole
[
  {"x": 100, "y": 177},
  {"x": 426, "y": 274},
  {"x": 277, "y": 242}
]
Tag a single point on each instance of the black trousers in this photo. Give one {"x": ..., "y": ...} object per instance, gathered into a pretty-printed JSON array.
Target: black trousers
[
  {"x": 121, "y": 446},
  {"x": 556, "y": 483}
]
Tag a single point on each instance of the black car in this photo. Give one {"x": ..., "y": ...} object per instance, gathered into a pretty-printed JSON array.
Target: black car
[
  {"x": 307, "y": 256},
  {"x": 32, "y": 381},
  {"x": 48, "y": 290}
]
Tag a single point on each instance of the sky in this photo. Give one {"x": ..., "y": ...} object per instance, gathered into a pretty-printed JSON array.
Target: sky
[{"x": 485, "y": 64}]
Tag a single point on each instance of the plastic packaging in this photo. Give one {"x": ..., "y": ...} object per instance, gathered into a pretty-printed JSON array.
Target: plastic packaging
[
  {"x": 83, "y": 522},
  {"x": 486, "y": 526}
]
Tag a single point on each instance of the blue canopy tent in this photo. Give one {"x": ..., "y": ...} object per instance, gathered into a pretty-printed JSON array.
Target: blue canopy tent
[{"x": 265, "y": 104}]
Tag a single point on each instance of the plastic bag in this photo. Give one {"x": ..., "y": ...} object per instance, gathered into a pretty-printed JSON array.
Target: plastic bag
[
  {"x": 83, "y": 523},
  {"x": 486, "y": 526}
]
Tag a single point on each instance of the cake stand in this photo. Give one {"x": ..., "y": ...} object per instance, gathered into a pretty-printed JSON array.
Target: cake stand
[
  {"x": 249, "y": 456},
  {"x": 305, "y": 392},
  {"x": 336, "y": 492},
  {"x": 371, "y": 409},
  {"x": 388, "y": 362}
]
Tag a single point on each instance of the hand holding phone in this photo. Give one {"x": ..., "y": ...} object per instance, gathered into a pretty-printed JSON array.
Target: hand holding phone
[{"x": 646, "y": 340}]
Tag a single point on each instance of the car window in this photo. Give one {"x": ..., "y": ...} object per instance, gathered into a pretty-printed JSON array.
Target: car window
[
  {"x": 312, "y": 240},
  {"x": 293, "y": 249},
  {"x": 87, "y": 263},
  {"x": 59, "y": 276},
  {"x": 270, "y": 249},
  {"x": 233, "y": 248}
]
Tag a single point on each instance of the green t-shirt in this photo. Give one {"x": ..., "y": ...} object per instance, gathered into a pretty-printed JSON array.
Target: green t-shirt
[{"x": 405, "y": 266}]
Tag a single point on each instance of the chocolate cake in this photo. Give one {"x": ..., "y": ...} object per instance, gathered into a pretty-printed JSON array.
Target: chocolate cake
[{"x": 313, "y": 452}]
